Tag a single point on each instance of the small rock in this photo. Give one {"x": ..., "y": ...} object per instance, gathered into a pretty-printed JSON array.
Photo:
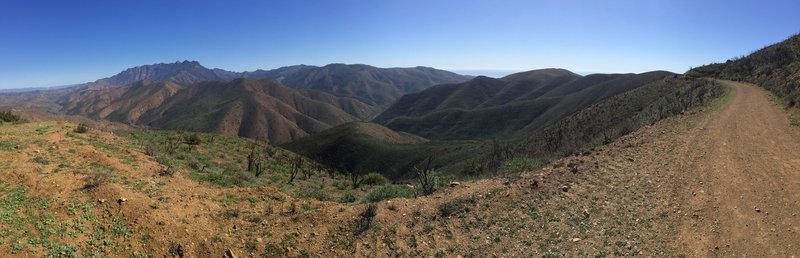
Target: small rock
[
  {"x": 121, "y": 200},
  {"x": 454, "y": 184},
  {"x": 259, "y": 239},
  {"x": 565, "y": 188},
  {"x": 757, "y": 209},
  {"x": 101, "y": 201},
  {"x": 576, "y": 239}
]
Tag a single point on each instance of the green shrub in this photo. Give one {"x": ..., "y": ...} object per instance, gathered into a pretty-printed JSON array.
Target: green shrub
[
  {"x": 374, "y": 179},
  {"x": 314, "y": 193},
  {"x": 388, "y": 192},
  {"x": 7, "y": 116},
  {"x": 192, "y": 139},
  {"x": 520, "y": 164},
  {"x": 429, "y": 180},
  {"x": 608, "y": 138},
  {"x": 348, "y": 197}
]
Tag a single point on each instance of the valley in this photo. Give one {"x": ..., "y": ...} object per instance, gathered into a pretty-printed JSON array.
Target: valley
[{"x": 354, "y": 160}]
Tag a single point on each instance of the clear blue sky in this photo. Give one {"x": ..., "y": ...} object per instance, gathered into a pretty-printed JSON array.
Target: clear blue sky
[{"x": 47, "y": 43}]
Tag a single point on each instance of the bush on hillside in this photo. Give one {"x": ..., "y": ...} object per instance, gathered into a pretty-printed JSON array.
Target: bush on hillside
[
  {"x": 81, "y": 128},
  {"x": 7, "y": 116},
  {"x": 192, "y": 139},
  {"x": 374, "y": 178},
  {"x": 389, "y": 192}
]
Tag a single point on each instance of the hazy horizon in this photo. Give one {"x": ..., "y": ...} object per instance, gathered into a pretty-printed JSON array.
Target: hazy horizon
[{"x": 52, "y": 43}]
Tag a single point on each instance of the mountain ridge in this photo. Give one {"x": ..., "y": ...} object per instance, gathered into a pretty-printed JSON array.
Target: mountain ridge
[{"x": 488, "y": 107}]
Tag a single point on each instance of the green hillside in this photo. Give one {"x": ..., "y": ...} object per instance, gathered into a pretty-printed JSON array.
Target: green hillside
[
  {"x": 350, "y": 147},
  {"x": 366, "y": 147},
  {"x": 616, "y": 116},
  {"x": 485, "y": 107}
]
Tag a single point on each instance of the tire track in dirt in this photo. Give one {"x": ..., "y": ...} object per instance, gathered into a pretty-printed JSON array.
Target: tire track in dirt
[{"x": 742, "y": 180}]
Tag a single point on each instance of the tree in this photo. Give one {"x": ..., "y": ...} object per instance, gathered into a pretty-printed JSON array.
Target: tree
[{"x": 355, "y": 178}]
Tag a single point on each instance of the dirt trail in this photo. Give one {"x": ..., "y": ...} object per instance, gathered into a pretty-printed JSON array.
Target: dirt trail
[{"x": 742, "y": 172}]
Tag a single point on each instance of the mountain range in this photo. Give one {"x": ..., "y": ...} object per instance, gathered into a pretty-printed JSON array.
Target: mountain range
[
  {"x": 277, "y": 105},
  {"x": 372, "y": 85}
]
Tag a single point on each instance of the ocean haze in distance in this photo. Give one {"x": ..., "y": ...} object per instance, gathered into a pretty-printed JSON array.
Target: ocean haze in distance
[
  {"x": 494, "y": 73},
  {"x": 500, "y": 73}
]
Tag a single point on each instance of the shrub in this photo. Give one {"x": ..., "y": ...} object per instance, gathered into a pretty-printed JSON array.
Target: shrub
[
  {"x": 364, "y": 220},
  {"x": 428, "y": 181},
  {"x": 96, "y": 178},
  {"x": 151, "y": 150},
  {"x": 388, "y": 192},
  {"x": 230, "y": 213},
  {"x": 374, "y": 179},
  {"x": 41, "y": 160},
  {"x": 608, "y": 138},
  {"x": 314, "y": 193},
  {"x": 192, "y": 139},
  {"x": 347, "y": 197},
  {"x": 7, "y": 116},
  {"x": 427, "y": 177},
  {"x": 81, "y": 128},
  {"x": 455, "y": 206}
]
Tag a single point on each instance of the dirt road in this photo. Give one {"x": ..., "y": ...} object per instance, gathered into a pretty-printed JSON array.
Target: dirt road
[{"x": 742, "y": 175}]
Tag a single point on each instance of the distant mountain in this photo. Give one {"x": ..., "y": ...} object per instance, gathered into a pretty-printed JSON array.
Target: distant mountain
[
  {"x": 486, "y": 107},
  {"x": 776, "y": 68},
  {"x": 374, "y": 86},
  {"x": 260, "y": 109},
  {"x": 184, "y": 73}
]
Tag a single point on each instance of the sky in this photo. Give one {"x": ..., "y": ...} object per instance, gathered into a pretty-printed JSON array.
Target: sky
[{"x": 51, "y": 43}]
